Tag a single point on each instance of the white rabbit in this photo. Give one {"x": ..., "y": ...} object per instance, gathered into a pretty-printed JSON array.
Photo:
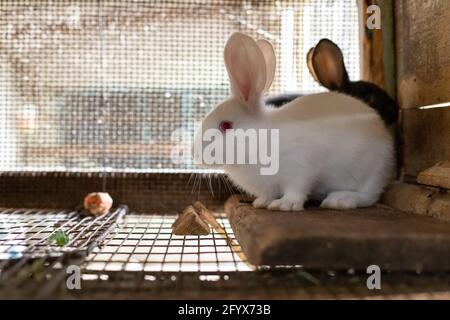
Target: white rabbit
[{"x": 331, "y": 146}]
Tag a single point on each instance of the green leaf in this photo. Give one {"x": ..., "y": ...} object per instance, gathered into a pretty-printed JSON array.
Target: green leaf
[{"x": 60, "y": 237}]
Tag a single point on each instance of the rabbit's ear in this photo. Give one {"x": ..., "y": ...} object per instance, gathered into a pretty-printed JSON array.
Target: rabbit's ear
[
  {"x": 269, "y": 59},
  {"x": 246, "y": 69},
  {"x": 310, "y": 65},
  {"x": 328, "y": 64}
]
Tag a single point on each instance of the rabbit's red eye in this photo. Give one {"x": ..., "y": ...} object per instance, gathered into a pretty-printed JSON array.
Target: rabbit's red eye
[{"x": 225, "y": 125}]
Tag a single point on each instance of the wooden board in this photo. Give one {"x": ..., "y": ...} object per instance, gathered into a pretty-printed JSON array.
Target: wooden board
[
  {"x": 436, "y": 176},
  {"x": 378, "y": 62},
  {"x": 422, "y": 46},
  {"x": 423, "y": 79},
  {"x": 331, "y": 240},
  {"x": 417, "y": 199},
  {"x": 426, "y": 138},
  {"x": 142, "y": 192}
]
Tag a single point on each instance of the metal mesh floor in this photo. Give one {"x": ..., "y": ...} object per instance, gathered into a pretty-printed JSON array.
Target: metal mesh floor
[
  {"x": 140, "y": 258},
  {"x": 146, "y": 243},
  {"x": 27, "y": 233},
  {"x": 143, "y": 242},
  {"x": 107, "y": 246}
]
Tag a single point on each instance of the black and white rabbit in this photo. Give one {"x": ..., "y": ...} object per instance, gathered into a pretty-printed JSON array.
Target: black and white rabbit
[
  {"x": 326, "y": 64},
  {"x": 332, "y": 146}
]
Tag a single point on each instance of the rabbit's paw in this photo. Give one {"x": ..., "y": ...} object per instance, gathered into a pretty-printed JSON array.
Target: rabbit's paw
[
  {"x": 287, "y": 203},
  {"x": 261, "y": 202},
  {"x": 341, "y": 200}
]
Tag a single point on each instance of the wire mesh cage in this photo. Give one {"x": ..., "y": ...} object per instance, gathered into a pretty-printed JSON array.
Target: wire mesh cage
[
  {"x": 105, "y": 95},
  {"x": 120, "y": 85},
  {"x": 141, "y": 258},
  {"x": 32, "y": 233}
]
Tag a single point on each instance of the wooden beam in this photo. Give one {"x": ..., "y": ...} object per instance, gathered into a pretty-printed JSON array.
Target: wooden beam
[
  {"x": 436, "y": 176},
  {"x": 422, "y": 47},
  {"x": 331, "y": 240},
  {"x": 425, "y": 138},
  {"x": 378, "y": 59},
  {"x": 418, "y": 200}
]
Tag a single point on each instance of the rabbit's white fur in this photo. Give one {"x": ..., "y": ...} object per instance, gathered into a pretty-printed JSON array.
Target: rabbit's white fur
[{"x": 332, "y": 146}]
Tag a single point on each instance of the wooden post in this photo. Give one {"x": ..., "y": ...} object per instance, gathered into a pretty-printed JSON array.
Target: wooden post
[{"x": 378, "y": 62}]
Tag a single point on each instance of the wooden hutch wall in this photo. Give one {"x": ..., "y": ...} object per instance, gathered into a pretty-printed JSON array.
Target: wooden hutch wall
[{"x": 422, "y": 40}]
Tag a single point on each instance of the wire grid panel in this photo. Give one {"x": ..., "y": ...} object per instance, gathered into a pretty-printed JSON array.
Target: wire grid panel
[
  {"x": 119, "y": 85},
  {"x": 27, "y": 233},
  {"x": 146, "y": 243}
]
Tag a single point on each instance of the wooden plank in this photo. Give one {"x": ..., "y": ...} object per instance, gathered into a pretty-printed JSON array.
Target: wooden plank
[
  {"x": 378, "y": 63},
  {"x": 418, "y": 199},
  {"x": 408, "y": 197},
  {"x": 436, "y": 176},
  {"x": 423, "y": 46},
  {"x": 332, "y": 240},
  {"x": 142, "y": 192},
  {"x": 426, "y": 138},
  {"x": 388, "y": 25}
]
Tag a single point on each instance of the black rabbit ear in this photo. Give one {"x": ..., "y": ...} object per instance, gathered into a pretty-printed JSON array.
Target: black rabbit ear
[{"x": 328, "y": 64}]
